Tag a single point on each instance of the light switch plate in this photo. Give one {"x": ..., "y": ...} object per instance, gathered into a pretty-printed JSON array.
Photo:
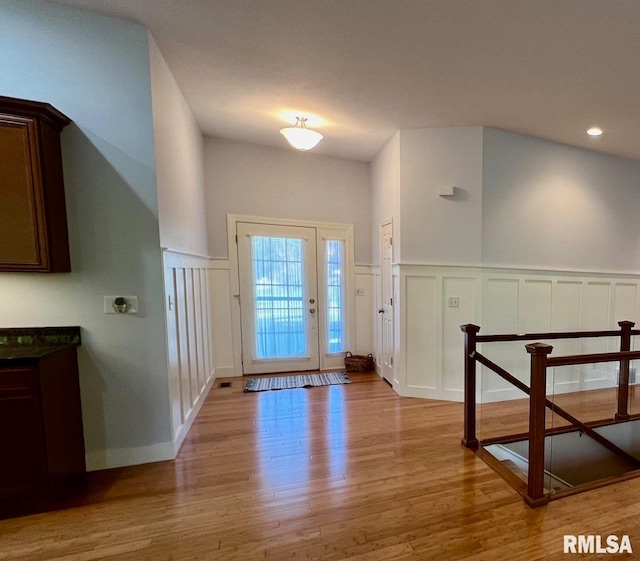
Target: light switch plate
[
  {"x": 359, "y": 291},
  {"x": 454, "y": 301},
  {"x": 132, "y": 304}
]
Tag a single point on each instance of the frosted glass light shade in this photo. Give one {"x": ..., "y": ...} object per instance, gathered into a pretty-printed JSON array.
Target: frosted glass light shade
[{"x": 300, "y": 137}]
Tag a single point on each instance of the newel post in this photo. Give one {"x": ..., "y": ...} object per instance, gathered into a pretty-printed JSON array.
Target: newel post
[
  {"x": 537, "y": 402},
  {"x": 469, "y": 439},
  {"x": 623, "y": 372}
]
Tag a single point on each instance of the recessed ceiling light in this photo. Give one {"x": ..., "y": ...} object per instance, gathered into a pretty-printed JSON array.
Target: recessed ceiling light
[{"x": 594, "y": 131}]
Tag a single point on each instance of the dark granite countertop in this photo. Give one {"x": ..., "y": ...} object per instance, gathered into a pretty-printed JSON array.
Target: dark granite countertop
[{"x": 32, "y": 343}]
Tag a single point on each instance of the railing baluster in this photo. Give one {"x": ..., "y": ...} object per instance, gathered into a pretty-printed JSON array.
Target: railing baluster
[
  {"x": 469, "y": 439},
  {"x": 537, "y": 403}
]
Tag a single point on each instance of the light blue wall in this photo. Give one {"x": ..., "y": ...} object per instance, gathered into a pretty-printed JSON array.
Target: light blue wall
[
  {"x": 95, "y": 69},
  {"x": 550, "y": 206},
  {"x": 520, "y": 202},
  {"x": 441, "y": 230}
]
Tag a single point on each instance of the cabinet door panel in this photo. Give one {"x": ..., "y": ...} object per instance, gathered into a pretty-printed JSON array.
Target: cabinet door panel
[
  {"x": 21, "y": 226},
  {"x": 16, "y": 380},
  {"x": 22, "y": 462}
]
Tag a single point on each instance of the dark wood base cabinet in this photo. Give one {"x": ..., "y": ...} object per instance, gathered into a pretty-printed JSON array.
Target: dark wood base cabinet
[{"x": 42, "y": 443}]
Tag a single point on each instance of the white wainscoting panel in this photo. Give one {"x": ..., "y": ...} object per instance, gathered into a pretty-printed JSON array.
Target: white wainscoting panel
[
  {"x": 173, "y": 349},
  {"x": 191, "y": 349},
  {"x": 466, "y": 289},
  {"x": 222, "y": 301},
  {"x": 624, "y": 298},
  {"x": 502, "y": 318},
  {"x": 429, "y": 357},
  {"x": 398, "y": 358},
  {"x": 376, "y": 303},
  {"x": 364, "y": 319},
  {"x": 550, "y": 302},
  {"x": 535, "y": 305},
  {"x": 189, "y": 337},
  {"x": 597, "y": 310},
  {"x": 420, "y": 332}
]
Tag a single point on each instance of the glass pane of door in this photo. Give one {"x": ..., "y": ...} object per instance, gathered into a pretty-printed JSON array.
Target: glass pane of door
[{"x": 278, "y": 271}]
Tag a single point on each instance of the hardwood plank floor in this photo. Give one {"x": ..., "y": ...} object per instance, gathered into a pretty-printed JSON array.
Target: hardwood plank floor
[{"x": 331, "y": 473}]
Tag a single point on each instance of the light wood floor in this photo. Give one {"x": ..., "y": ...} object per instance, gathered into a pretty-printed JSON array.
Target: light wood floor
[{"x": 342, "y": 472}]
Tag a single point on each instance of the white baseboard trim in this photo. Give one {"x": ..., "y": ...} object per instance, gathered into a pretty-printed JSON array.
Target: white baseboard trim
[
  {"x": 498, "y": 395},
  {"x": 559, "y": 389},
  {"x": 160, "y": 452},
  {"x": 429, "y": 393},
  {"x": 120, "y": 457},
  {"x": 494, "y": 396}
]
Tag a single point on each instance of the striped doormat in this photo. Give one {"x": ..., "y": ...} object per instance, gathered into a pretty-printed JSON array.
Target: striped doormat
[{"x": 300, "y": 381}]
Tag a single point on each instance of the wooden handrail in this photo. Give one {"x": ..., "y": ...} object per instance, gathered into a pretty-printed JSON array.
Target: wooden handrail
[
  {"x": 570, "y": 360},
  {"x": 549, "y": 336}
]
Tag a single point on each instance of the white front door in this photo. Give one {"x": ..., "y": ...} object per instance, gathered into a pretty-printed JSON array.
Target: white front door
[
  {"x": 278, "y": 298},
  {"x": 385, "y": 313}
]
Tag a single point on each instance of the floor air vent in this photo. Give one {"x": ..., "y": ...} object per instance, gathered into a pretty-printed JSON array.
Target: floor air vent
[{"x": 224, "y": 385}]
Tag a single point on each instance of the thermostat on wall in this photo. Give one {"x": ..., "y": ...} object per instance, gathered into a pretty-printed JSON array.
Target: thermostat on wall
[{"x": 447, "y": 191}]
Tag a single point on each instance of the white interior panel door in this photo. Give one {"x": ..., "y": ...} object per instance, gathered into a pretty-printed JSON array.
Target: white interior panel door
[
  {"x": 385, "y": 313},
  {"x": 278, "y": 298}
]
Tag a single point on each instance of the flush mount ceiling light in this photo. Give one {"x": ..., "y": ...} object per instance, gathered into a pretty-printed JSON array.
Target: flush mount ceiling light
[
  {"x": 300, "y": 137},
  {"x": 595, "y": 131}
]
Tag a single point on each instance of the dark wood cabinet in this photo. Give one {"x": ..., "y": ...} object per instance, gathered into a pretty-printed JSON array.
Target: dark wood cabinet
[
  {"x": 42, "y": 443},
  {"x": 22, "y": 473},
  {"x": 33, "y": 218}
]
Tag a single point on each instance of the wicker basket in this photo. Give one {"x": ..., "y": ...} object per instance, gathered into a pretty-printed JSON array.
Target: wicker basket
[{"x": 358, "y": 363}]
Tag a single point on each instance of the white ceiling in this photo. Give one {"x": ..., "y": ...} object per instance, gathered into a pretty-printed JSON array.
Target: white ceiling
[{"x": 367, "y": 68}]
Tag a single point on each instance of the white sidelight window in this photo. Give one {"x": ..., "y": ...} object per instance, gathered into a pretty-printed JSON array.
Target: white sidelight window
[{"x": 335, "y": 302}]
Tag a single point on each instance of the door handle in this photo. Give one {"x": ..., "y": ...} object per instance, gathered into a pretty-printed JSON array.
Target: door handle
[
  {"x": 381, "y": 311},
  {"x": 312, "y": 311}
]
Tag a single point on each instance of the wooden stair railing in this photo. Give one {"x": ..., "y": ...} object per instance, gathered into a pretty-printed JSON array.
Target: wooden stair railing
[{"x": 538, "y": 401}]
